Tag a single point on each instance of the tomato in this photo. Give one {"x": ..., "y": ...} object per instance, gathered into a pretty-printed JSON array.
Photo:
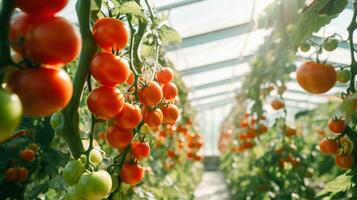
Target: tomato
[
  {"x": 343, "y": 76},
  {"x": 56, "y": 120},
  {"x": 53, "y": 41},
  {"x": 94, "y": 185},
  {"x": 131, "y": 78},
  {"x": 171, "y": 153},
  {"x": 251, "y": 133},
  {"x": 171, "y": 113},
  {"x": 22, "y": 174},
  {"x": 165, "y": 75},
  {"x": 150, "y": 94},
  {"x": 153, "y": 118},
  {"x": 262, "y": 129},
  {"x": 336, "y": 125},
  {"x": 140, "y": 150},
  {"x": 95, "y": 156},
  {"x": 19, "y": 27},
  {"x": 108, "y": 69},
  {"x": 277, "y": 104},
  {"x": 73, "y": 171},
  {"x": 328, "y": 146},
  {"x": 131, "y": 174},
  {"x": 129, "y": 117},
  {"x": 344, "y": 161},
  {"x": 10, "y": 114},
  {"x": 244, "y": 123},
  {"x": 28, "y": 155},
  {"x": 40, "y": 7},
  {"x": 118, "y": 138},
  {"x": 110, "y": 33},
  {"x": 169, "y": 91},
  {"x": 304, "y": 47},
  {"x": 290, "y": 132},
  {"x": 42, "y": 91},
  {"x": 105, "y": 102},
  {"x": 330, "y": 44},
  {"x": 316, "y": 78},
  {"x": 11, "y": 174}
]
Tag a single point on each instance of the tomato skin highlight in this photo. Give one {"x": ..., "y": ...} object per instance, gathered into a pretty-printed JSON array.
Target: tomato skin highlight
[
  {"x": 10, "y": 114},
  {"x": 129, "y": 117},
  {"x": 344, "y": 161},
  {"x": 169, "y": 91},
  {"x": 131, "y": 174},
  {"x": 153, "y": 118},
  {"x": 53, "y": 41},
  {"x": 316, "y": 78},
  {"x": 110, "y": 33},
  {"x": 105, "y": 102},
  {"x": 151, "y": 94},
  {"x": 140, "y": 150},
  {"x": 328, "y": 147},
  {"x": 108, "y": 69},
  {"x": 165, "y": 75},
  {"x": 336, "y": 125},
  {"x": 171, "y": 113},
  {"x": 118, "y": 138},
  {"x": 39, "y": 99},
  {"x": 40, "y": 7}
]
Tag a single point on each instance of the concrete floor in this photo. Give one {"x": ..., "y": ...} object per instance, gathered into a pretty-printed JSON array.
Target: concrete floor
[{"x": 212, "y": 187}]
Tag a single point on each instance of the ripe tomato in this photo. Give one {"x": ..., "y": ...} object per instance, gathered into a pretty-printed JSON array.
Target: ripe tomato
[
  {"x": 131, "y": 174},
  {"x": 40, "y": 7},
  {"x": 19, "y": 27},
  {"x": 290, "y": 132},
  {"x": 118, "y": 138},
  {"x": 129, "y": 117},
  {"x": 95, "y": 156},
  {"x": 153, "y": 118},
  {"x": 344, "y": 161},
  {"x": 277, "y": 104},
  {"x": 11, "y": 174},
  {"x": 171, "y": 113},
  {"x": 108, "y": 69},
  {"x": 110, "y": 33},
  {"x": 316, "y": 78},
  {"x": 336, "y": 125},
  {"x": 150, "y": 94},
  {"x": 328, "y": 146},
  {"x": 94, "y": 185},
  {"x": 251, "y": 133},
  {"x": 171, "y": 153},
  {"x": 131, "y": 78},
  {"x": 42, "y": 91},
  {"x": 105, "y": 102},
  {"x": 140, "y": 150},
  {"x": 27, "y": 155},
  {"x": 165, "y": 75},
  {"x": 22, "y": 174},
  {"x": 10, "y": 114},
  {"x": 73, "y": 171},
  {"x": 169, "y": 91},
  {"x": 53, "y": 41}
]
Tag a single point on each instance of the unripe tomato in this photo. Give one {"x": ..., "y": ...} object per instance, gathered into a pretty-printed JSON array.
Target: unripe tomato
[
  {"x": 328, "y": 146},
  {"x": 56, "y": 120},
  {"x": 153, "y": 118},
  {"x": 105, "y": 102},
  {"x": 10, "y": 114},
  {"x": 344, "y": 161},
  {"x": 129, "y": 117},
  {"x": 11, "y": 174},
  {"x": 316, "y": 78},
  {"x": 336, "y": 125},
  {"x": 110, "y": 33},
  {"x": 73, "y": 171},
  {"x": 131, "y": 174},
  {"x": 331, "y": 44},
  {"x": 27, "y": 155},
  {"x": 108, "y": 69},
  {"x": 150, "y": 94},
  {"x": 277, "y": 104},
  {"x": 118, "y": 138},
  {"x": 53, "y": 41},
  {"x": 42, "y": 91},
  {"x": 94, "y": 185},
  {"x": 22, "y": 174},
  {"x": 165, "y": 75},
  {"x": 40, "y": 7},
  {"x": 304, "y": 47},
  {"x": 140, "y": 150},
  {"x": 171, "y": 113},
  {"x": 95, "y": 156},
  {"x": 343, "y": 76},
  {"x": 169, "y": 91}
]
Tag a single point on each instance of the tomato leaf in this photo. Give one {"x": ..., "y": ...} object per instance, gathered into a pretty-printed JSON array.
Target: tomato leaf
[
  {"x": 341, "y": 184},
  {"x": 169, "y": 35},
  {"x": 131, "y": 7}
]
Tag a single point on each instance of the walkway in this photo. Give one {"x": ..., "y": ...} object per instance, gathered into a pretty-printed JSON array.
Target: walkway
[{"x": 212, "y": 187}]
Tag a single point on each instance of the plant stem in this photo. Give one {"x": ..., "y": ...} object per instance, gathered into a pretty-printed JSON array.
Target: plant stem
[{"x": 351, "y": 28}]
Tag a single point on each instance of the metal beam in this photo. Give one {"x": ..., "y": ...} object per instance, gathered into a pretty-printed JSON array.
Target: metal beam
[
  {"x": 217, "y": 83},
  {"x": 176, "y": 5}
]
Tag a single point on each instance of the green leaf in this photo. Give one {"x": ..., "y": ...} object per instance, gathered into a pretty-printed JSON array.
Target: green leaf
[
  {"x": 341, "y": 184},
  {"x": 169, "y": 35},
  {"x": 131, "y": 7}
]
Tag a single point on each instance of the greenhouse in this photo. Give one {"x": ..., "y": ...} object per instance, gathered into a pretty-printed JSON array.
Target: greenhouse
[{"x": 178, "y": 99}]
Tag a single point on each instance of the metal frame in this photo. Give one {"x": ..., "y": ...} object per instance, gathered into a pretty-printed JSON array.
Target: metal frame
[{"x": 176, "y": 5}]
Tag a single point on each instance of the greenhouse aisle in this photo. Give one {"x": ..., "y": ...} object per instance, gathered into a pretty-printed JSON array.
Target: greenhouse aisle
[{"x": 212, "y": 187}]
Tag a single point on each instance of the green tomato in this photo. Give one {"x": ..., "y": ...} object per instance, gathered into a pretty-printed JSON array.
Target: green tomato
[
  {"x": 72, "y": 194},
  {"x": 115, "y": 183},
  {"x": 95, "y": 157},
  {"x": 343, "y": 76},
  {"x": 10, "y": 114},
  {"x": 94, "y": 185},
  {"x": 56, "y": 120},
  {"x": 304, "y": 47},
  {"x": 73, "y": 171},
  {"x": 331, "y": 44},
  {"x": 83, "y": 159}
]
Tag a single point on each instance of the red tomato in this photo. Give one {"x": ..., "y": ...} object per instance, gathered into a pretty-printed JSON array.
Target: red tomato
[
  {"x": 19, "y": 27},
  {"x": 131, "y": 78},
  {"x": 336, "y": 125},
  {"x": 53, "y": 41},
  {"x": 131, "y": 174},
  {"x": 108, "y": 69},
  {"x": 41, "y": 7},
  {"x": 344, "y": 161},
  {"x": 11, "y": 174},
  {"x": 171, "y": 153},
  {"x": 329, "y": 147},
  {"x": 22, "y": 174},
  {"x": 140, "y": 150},
  {"x": 43, "y": 91},
  {"x": 165, "y": 75},
  {"x": 277, "y": 104},
  {"x": 150, "y": 94},
  {"x": 171, "y": 113},
  {"x": 169, "y": 91},
  {"x": 153, "y": 118},
  {"x": 105, "y": 102},
  {"x": 28, "y": 155},
  {"x": 129, "y": 117},
  {"x": 118, "y": 138},
  {"x": 110, "y": 33}
]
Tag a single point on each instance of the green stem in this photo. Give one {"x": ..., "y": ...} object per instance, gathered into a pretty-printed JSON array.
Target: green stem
[{"x": 351, "y": 28}]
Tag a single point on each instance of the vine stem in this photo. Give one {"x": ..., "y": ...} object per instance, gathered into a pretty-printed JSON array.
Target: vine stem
[
  {"x": 351, "y": 28},
  {"x": 69, "y": 129}
]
